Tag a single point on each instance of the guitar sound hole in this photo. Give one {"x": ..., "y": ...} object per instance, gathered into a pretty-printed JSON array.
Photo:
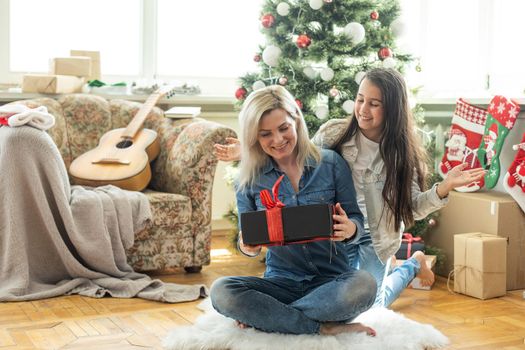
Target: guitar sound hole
[{"x": 124, "y": 144}]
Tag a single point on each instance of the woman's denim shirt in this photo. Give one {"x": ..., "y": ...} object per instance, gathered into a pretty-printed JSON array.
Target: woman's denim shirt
[
  {"x": 329, "y": 182},
  {"x": 385, "y": 238}
]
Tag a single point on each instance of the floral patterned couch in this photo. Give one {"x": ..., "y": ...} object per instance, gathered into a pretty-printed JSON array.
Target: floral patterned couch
[{"x": 182, "y": 175}]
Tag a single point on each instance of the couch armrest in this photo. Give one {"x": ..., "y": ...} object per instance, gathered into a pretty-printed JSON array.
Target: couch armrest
[{"x": 188, "y": 167}]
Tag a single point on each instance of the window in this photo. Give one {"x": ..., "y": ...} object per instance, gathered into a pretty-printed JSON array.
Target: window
[
  {"x": 204, "y": 42},
  {"x": 54, "y": 27},
  {"x": 467, "y": 48},
  {"x": 207, "y": 38}
]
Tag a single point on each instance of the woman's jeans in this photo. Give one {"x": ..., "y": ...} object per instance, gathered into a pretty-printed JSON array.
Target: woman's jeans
[
  {"x": 389, "y": 285},
  {"x": 278, "y": 304}
]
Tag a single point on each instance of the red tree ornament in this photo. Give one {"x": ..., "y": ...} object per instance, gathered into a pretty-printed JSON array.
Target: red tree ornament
[
  {"x": 299, "y": 103},
  {"x": 240, "y": 93},
  {"x": 257, "y": 58},
  {"x": 384, "y": 52},
  {"x": 374, "y": 15},
  {"x": 267, "y": 20},
  {"x": 303, "y": 41}
]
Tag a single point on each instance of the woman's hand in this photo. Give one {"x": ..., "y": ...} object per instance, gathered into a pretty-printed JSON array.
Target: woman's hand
[
  {"x": 246, "y": 249},
  {"x": 344, "y": 228},
  {"x": 458, "y": 177},
  {"x": 229, "y": 152}
]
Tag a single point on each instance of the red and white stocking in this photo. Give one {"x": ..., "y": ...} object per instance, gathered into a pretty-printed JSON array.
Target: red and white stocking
[
  {"x": 468, "y": 125},
  {"x": 514, "y": 181}
]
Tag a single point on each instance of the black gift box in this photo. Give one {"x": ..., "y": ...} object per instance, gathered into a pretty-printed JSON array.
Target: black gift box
[
  {"x": 403, "y": 250},
  {"x": 300, "y": 223}
]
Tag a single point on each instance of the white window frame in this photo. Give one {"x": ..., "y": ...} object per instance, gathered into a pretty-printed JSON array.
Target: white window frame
[
  {"x": 148, "y": 44},
  {"x": 226, "y": 86}
]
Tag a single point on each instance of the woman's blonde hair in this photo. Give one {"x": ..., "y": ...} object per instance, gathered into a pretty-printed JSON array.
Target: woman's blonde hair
[{"x": 257, "y": 105}]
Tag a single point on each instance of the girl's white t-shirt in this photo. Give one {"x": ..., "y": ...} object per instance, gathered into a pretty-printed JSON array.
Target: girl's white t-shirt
[{"x": 367, "y": 149}]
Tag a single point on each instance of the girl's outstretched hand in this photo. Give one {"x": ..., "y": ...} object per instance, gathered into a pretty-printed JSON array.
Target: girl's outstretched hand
[
  {"x": 458, "y": 177},
  {"x": 229, "y": 152},
  {"x": 344, "y": 228}
]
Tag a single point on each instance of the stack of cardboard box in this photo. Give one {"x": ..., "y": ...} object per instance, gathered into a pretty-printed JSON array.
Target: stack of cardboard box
[
  {"x": 491, "y": 213},
  {"x": 66, "y": 74}
]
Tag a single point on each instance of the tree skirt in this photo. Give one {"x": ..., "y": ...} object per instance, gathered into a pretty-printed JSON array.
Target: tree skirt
[{"x": 394, "y": 331}]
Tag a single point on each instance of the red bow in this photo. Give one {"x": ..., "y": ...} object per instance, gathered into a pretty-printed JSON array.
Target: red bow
[
  {"x": 408, "y": 238},
  {"x": 273, "y": 213},
  {"x": 3, "y": 120}
]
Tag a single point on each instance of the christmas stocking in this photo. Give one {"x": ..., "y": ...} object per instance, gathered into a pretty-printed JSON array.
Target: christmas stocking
[
  {"x": 514, "y": 181},
  {"x": 501, "y": 118},
  {"x": 464, "y": 138}
]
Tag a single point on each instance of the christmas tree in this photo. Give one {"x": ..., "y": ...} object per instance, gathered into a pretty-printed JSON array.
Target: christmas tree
[{"x": 320, "y": 49}]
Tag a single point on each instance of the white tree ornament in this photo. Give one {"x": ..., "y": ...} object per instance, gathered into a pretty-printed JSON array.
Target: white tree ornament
[
  {"x": 355, "y": 31},
  {"x": 321, "y": 111},
  {"x": 316, "y": 4},
  {"x": 327, "y": 74},
  {"x": 397, "y": 27},
  {"x": 271, "y": 55},
  {"x": 348, "y": 106},
  {"x": 359, "y": 76},
  {"x": 259, "y": 84},
  {"x": 389, "y": 62},
  {"x": 283, "y": 9},
  {"x": 309, "y": 72}
]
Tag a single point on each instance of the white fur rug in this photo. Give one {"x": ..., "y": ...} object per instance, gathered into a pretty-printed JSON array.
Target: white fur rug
[{"x": 394, "y": 331}]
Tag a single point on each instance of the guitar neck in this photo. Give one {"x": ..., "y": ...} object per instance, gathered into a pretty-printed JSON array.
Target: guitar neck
[{"x": 136, "y": 123}]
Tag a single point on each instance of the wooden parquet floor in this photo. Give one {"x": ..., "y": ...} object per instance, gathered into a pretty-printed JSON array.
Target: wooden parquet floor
[{"x": 74, "y": 322}]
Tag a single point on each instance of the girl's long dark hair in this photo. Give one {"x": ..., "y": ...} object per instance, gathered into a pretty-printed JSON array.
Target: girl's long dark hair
[{"x": 399, "y": 145}]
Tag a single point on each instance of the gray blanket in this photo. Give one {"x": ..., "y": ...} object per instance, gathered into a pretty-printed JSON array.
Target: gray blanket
[{"x": 56, "y": 239}]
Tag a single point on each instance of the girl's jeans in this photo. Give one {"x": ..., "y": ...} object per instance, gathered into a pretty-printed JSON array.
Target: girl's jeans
[
  {"x": 278, "y": 304},
  {"x": 389, "y": 284}
]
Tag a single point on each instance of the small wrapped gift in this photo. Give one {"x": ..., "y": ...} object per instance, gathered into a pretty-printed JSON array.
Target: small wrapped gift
[
  {"x": 95, "y": 61},
  {"x": 51, "y": 84},
  {"x": 480, "y": 262},
  {"x": 409, "y": 245},
  {"x": 79, "y": 66},
  {"x": 279, "y": 225}
]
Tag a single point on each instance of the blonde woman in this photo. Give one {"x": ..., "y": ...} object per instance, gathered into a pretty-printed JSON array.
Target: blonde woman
[{"x": 306, "y": 288}]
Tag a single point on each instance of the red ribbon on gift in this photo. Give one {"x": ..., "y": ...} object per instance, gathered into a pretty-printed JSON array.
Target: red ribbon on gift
[
  {"x": 408, "y": 238},
  {"x": 274, "y": 218}
]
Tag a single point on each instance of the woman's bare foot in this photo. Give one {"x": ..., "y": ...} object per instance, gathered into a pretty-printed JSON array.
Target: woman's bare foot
[
  {"x": 425, "y": 273},
  {"x": 333, "y": 328}
]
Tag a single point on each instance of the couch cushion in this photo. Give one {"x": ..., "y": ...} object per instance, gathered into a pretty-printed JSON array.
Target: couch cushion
[
  {"x": 87, "y": 119},
  {"x": 169, "y": 209}
]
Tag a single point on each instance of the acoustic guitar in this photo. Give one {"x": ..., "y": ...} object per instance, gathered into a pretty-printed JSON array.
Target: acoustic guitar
[{"x": 123, "y": 155}]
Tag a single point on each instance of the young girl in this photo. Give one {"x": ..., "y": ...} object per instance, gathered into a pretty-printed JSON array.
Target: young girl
[
  {"x": 388, "y": 166},
  {"x": 307, "y": 288}
]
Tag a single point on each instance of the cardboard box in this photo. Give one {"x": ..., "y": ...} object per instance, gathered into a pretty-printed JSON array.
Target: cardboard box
[
  {"x": 416, "y": 282},
  {"x": 480, "y": 262},
  {"x": 489, "y": 212},
  {"x": 299, "y": 223},
  {"x": 79, "y": 66},
  {"x": 51, "y": 84},
  {"x": 95, "y": 61}
]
